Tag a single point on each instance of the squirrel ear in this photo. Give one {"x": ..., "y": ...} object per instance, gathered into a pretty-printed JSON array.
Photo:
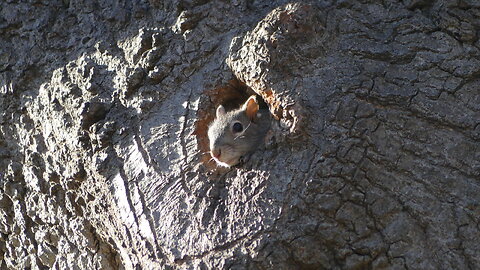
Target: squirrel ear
[
  {"x": 251, "y": 107},
  {"x": 220, "y": 111}
]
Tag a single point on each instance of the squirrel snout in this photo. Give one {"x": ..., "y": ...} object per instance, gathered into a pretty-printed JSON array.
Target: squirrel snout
[{"x": 216, "y": 152}]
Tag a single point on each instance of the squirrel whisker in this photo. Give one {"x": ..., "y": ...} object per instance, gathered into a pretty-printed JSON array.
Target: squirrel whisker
[{"x": 241, "y": 135}]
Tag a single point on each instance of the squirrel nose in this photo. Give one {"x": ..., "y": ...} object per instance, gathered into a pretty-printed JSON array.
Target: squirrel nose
[{"x": 216, "y": 152}]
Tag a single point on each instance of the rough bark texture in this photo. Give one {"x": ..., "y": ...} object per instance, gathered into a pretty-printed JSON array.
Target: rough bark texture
[{"x": 374, "y": 159}]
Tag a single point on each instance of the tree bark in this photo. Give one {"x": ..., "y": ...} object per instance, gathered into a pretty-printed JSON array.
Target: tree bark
[{"x": 373, "y": 160}]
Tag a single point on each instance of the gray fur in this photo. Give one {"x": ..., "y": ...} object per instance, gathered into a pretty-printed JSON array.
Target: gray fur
[{"x": 234, "y": 146}]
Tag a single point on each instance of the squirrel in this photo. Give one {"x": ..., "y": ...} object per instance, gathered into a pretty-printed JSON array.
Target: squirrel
[{"x": 237, "y": 133}]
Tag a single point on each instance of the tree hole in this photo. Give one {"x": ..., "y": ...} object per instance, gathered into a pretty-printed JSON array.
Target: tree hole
[{"x": 231, "y": 96}]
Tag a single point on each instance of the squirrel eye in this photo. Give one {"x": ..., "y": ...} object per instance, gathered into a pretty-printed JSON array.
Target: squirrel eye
[{"x": 237, "y": 127}]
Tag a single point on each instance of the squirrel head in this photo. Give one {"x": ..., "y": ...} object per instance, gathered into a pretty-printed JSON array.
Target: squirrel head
[{"x": 236, "y": 133}]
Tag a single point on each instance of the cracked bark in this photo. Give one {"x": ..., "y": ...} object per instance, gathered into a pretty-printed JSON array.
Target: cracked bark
[{"x": 373, "y": 161}]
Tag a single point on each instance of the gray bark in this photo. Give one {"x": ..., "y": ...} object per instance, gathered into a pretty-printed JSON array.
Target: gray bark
[{"x": 373, "y": 160}]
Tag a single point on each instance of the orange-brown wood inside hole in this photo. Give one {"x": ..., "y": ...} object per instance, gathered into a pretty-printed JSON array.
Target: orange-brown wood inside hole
[{"x": 274, "y": 105}]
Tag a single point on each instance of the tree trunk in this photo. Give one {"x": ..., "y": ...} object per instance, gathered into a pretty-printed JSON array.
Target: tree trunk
[{"x": 372, "y": 161}]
